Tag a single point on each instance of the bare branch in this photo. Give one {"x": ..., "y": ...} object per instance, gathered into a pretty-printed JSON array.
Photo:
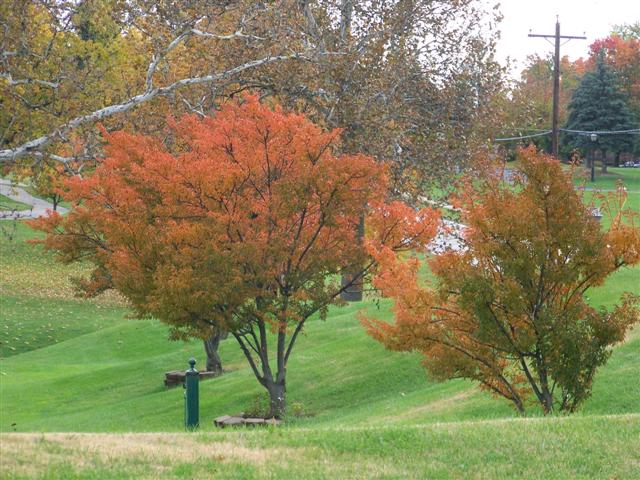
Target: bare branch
[
  {"x": 57, "y": 158},
  {"x": 346, "y": 14},
  {"x": 312, "y": 25},
  {"x": 233, "y": 36},
  {"x": 194, "y": 108},
  {"x": 35, "y": 145},
  {"x": 26, "y": 81},
  {"x": 156, "y": 58}
]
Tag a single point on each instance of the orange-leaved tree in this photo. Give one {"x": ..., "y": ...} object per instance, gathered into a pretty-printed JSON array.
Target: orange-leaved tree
[
  {"x": 509, "y": 309},
  {"x": 245, "y": 224}
]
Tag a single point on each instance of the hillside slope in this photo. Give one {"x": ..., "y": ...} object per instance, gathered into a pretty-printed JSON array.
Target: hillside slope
[
  {"x": 72, "y": 365},
  {"x": 85, "y": 367}
]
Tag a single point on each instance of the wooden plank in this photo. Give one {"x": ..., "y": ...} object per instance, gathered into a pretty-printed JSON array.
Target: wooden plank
[
  {"x": 233, "y": 421},
  {"x": 254, "y": 421}
]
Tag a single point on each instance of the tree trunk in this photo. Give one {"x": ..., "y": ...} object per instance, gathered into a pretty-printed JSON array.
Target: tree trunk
[
  {"x": 211, "y": 344},
  {"x": 517, "y": 401},
  {"x": 352, "y": 280},
  {"x": 604, "y": 163},
  {"x": 543, "y": 392},
  {"x": 277, "y": 400},
  {"x": 547, "y": 398}
]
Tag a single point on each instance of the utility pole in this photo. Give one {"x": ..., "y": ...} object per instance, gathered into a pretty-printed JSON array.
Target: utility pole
[{"x": 556, "y": 82}]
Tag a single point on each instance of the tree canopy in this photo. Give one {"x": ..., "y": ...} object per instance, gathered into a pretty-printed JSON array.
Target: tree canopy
[
  {"x": 509, "y": 310},
  {"x": 245, "y": 223},
  {"x": 409, "y": 82}
]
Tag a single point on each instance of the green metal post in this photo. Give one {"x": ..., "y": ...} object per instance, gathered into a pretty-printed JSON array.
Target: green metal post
[{"x": 191, "y": 397}]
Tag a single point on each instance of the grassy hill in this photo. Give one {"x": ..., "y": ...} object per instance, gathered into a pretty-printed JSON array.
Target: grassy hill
[
  {"x": 71, "y": 365},
  {"x": 608, "y": 183},
  {"x": 8, "y": 204}
]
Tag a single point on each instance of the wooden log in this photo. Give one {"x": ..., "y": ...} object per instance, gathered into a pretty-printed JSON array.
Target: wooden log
[
  {"x": 233, "y": 421},
  {"x": 176, "y": 377},
  {"x": 254, "y": 421},
  {"x": 219, "y": 422},
  {"x": 239, "y": 419}
]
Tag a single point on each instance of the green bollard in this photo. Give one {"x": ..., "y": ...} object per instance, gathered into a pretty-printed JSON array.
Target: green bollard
[{"x": 191, "y": 397}]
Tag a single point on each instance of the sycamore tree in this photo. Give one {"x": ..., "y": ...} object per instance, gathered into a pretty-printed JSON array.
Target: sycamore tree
[
  {"x": 67, "y": 64},
  {"x": 409, "y": 82},
  {"x": 246, "y": 223},
  {"x": 412, "y": 83},
  {"x": 509, "y": 311}
]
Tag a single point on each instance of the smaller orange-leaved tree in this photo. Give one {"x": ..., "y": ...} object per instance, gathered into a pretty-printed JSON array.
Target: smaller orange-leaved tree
[
  {"x": 509, "y": 310},
  {"x": 245, "y": 225}
]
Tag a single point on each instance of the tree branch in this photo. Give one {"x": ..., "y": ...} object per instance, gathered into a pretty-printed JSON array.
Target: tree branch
[
  {"x": 27, "y": 81},
  {"x": 39, "y": 143},
  {"x": 232, "y": 36},
  {"x": 247, "y": 354}
]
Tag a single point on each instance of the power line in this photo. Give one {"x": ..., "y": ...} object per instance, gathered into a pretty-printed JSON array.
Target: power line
[
  {"x": 634, "y": 131},
  {"x": 547, "y": 132}
]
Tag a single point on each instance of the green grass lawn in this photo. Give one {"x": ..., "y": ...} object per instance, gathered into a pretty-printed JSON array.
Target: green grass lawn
[
  {"x": 7, "y": 203},
  {"x": 72, "y": 365},
  {"x": 629, "y": 176},
  {"x": 554, "y": 448},
  {"x": 606, "y": 183}
]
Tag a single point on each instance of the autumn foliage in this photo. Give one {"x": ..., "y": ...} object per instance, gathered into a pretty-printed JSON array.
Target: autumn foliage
[
  {"x": 623, "y": 55},
  {"x": 509, "y": 311},
  {"x": 245, "y": 223}
]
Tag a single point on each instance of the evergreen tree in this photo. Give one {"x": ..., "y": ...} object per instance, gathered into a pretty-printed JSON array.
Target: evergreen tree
[{"x": 598, "y": 104}]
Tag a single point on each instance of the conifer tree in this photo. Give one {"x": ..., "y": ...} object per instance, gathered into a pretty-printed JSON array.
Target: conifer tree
[{"x": 598, "y": 104}]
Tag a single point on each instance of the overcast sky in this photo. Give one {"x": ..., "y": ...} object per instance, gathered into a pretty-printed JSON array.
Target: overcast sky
[{"x": 592, "y": 18}]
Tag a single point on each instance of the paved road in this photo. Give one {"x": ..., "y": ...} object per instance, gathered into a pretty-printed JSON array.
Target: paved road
[
  {"x": 450, "y": 234},
  {"x": 449, "y": 237},
  {"x": 39, "y": 207}
]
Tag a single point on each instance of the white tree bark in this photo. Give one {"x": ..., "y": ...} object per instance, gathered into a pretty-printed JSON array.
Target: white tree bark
[{"x": 34, "y": 147}]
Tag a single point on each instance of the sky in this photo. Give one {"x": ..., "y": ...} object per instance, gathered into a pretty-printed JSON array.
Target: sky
[{"x": 591, "y": 18}]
